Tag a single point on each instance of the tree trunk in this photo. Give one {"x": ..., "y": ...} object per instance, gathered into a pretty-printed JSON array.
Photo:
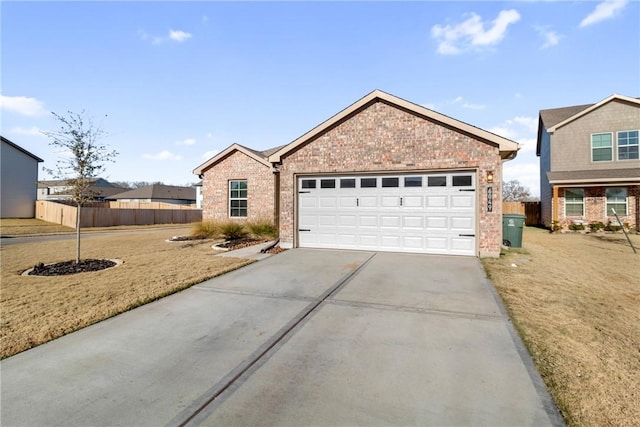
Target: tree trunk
[{"x": 78, "y": 233}]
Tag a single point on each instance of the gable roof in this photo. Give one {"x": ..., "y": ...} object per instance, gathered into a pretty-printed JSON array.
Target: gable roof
[
  {"x": 508, "y": 148},
  {"x": 17, "y": 147},
  {"x": 590, "y": 108},
  {"x": 157, "y": 191},
  {"x": 259, "y": 156},
  {"x": 554, "y": 118}
]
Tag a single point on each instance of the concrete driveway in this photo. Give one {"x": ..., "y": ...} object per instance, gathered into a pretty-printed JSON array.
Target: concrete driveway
[{"x": 304, "y": 338}]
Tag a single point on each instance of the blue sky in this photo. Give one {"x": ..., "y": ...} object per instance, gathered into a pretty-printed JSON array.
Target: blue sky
[{"x": 172, "y": 83}]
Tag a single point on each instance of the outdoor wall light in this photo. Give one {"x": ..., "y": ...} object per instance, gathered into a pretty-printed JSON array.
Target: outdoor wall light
[{"x": 490, "y": 177}]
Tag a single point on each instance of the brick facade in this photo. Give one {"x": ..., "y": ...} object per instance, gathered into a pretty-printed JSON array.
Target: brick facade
[
  {"x": 238, "y": 166},
  {"x": 384, "y": 138},
  {"x": 595, "y": 201}
]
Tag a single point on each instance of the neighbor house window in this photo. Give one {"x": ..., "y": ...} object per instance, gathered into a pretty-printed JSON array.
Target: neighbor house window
[
  {"x": 617, "y": 199},
  {"x": 238, "y": 198},
  {"x": 628, "y": 145},
  {"x": 602, "y": 147},
  {"x": 574, "y": 202}
]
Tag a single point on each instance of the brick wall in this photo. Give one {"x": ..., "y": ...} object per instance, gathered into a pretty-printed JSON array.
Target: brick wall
[
  {"x": 237, "y": 165},
  {"x": 595, "y": 207},
  {"x": 383, "y": 138}
]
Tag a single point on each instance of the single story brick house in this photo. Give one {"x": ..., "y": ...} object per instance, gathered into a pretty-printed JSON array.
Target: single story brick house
[{"x": 384, "y": 174}]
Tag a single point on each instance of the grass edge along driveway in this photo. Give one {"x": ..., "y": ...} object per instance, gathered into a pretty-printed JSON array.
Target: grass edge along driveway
[
  {"x": 574, "y": 300},
  {"x": 36, "y": 309}
]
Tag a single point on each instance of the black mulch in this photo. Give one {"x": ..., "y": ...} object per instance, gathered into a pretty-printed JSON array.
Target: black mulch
[{"x": 70, "y": 267}]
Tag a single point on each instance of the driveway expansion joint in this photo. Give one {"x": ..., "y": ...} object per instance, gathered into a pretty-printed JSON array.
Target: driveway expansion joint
[
  {"x": 207, "y": 403},
  {"x": 420, "y": 310}
]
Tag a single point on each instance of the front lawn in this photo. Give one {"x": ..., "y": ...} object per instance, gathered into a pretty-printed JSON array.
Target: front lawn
[
  {"x": 575, "y": 300},
  {"x": 37, "y": 309}
]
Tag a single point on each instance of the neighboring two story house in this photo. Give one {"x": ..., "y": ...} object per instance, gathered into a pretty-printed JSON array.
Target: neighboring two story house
[
  {"x": 19, "y": 170},
  {"x": 589, "y": 163}
]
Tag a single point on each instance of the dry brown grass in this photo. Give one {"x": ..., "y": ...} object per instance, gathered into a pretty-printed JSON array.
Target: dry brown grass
[
  {"x": 29, "y": 226},
  {"x": 575, "y": 300},
  {"x": 38, "y": 309}
]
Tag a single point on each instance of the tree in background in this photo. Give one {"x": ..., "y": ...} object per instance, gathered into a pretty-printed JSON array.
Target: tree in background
[
  {"x": 513, "y": 191},
  {"x": 83, "y": 158}
]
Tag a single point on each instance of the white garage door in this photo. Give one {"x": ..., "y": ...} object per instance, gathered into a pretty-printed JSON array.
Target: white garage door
[{"x": 424, "y": 213}]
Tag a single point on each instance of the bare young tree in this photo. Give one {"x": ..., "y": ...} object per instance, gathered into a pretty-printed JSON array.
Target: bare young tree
[
  {"x": 513, "y": 191},
  {"x": 83, "y": 158}
]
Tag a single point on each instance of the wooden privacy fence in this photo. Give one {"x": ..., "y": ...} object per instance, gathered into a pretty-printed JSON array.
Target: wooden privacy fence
[
  {"x": 148, "y": 205},
  {"x": 530, "y": 209},
  {"x": 107, "y": 217}
]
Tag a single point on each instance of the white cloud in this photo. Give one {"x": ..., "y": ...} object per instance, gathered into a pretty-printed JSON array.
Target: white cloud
[
  {"x": 32, "y": 131},
  {"x": 188, "y": 141},
  {"x": 474, "y": 106},
  {"x": 471, "y": 33},
  {"x": 179, "y": 35},
  {"x": 465, "y": 104},
  {"x": 174, "y": 35},
  {"x": 530, "y": 123},
  {"x": 550, "y": 37},
  {"x": 22, "y": 105},
  {"x": 605, "y": 10},
  {"x": 162, "y": 155},
  {"x": 209, "y": 154}
]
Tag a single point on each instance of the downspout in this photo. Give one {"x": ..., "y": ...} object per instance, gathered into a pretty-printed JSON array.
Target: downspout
[
  {"x": 554, "y": 214},
  {"x": 276, "y": 196}
]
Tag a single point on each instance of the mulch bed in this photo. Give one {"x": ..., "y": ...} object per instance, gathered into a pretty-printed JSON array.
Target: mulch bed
[
  {"x": 241, "y": 243},
  {"x": 70, "y": 267}
]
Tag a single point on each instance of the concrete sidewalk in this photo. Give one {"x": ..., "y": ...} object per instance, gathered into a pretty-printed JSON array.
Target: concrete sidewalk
[{"x": 307, "y": 337}]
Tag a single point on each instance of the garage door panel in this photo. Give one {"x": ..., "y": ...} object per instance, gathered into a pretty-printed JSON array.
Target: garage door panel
[
  {"x": 436, "y": 243},
  {"x": 436, "y": 223},
  {"x": 413, "y": 201},
  {"x": 462, "y": 223},
  {"x": 327, "y": 202},
  {"x": 435, "y": 202},
  {"x": 390, "y": 221},
  {"x": 326, "y": 220},
  {"x": 413, "y": 242},
  {"x": 462, "y": 201},
  {"x": 368, "y": 201},
  {"x": 368, "y": 221},
  {"x": 413, "y": 222},
  {"x": 308, "y": 220},
  {"x": 390, "y": 201},
  {"x": 368, "y": 240},
  {"x": 308, "y": 202},
  {"x": 348, "y": 202},
  {"x": 428, "y": 219},
  {"x": 348, "y": 220}
]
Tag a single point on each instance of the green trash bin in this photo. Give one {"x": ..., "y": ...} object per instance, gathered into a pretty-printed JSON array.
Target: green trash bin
[{"x": 512, "y": 225}]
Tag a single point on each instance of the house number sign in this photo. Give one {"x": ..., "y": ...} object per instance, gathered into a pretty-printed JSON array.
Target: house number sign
[{"x": 490, "y": 199}]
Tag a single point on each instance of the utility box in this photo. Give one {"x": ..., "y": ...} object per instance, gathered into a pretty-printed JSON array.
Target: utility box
[{"x": 512, "y": 226}]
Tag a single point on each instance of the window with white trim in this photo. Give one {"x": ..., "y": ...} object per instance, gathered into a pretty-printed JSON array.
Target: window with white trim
[
  {"x": 238, "y": 198},
  {"x": 602, "y": 147},
  {"x": 616, "y": 199},
  {"x": 628, "y": 145},
  {"x": 574, "y": 202}
]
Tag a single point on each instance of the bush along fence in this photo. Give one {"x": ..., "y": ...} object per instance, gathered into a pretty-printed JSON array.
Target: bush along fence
[{"x": 106, "y": 217}]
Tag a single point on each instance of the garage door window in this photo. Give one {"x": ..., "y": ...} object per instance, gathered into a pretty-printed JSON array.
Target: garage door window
[
  {"x": 462, "y": 180},
  {"x": 348, "y": 183},
  {"x": 437, "y": 181},
  {"x": 368, "y": 182},
  {"x": 308, "y": 183},
  {"x": 413, "y": 181},
  {"x": 238, "y": 198},
  {"x": 327, "y": 183},
  {"x": 390, "y": 182}
]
